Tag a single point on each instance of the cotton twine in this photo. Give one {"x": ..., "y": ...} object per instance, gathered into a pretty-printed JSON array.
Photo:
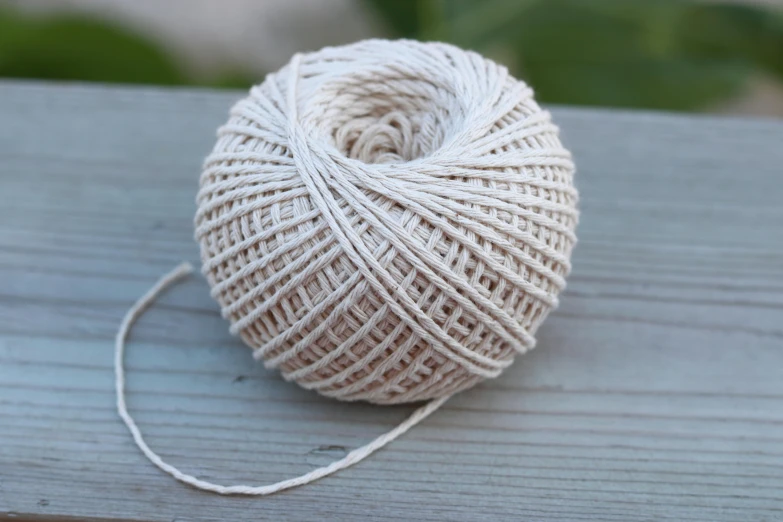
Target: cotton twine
[{"x": 387, "y": 221}]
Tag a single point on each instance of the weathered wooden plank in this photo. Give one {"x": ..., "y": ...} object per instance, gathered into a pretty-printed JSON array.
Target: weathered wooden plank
[{"x": 656, "y": 391}]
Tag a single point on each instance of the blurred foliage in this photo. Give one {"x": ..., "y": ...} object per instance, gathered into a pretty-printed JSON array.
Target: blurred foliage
[
  {"x": 664, "y": 54},
  {"x": 80, "y": 48}
]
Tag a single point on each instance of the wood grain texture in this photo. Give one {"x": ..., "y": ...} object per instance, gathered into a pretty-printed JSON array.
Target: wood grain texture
[{"x": 656, "y": 390}]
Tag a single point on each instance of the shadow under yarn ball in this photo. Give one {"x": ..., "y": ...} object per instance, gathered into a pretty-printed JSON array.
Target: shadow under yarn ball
[{"x": 387, "y": 221}]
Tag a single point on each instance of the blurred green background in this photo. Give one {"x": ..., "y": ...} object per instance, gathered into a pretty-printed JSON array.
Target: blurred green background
[{"x": 660, "y": 54}]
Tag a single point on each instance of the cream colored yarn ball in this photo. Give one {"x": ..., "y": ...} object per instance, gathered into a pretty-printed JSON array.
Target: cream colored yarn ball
[{"x": 387, "y": 221}]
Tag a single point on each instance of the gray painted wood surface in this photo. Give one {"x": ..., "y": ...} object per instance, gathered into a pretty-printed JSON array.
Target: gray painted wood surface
[{"x": 656, "y": 390}]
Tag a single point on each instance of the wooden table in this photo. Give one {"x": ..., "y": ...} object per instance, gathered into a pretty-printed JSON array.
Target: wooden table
[{"x": 656, "y": 390}]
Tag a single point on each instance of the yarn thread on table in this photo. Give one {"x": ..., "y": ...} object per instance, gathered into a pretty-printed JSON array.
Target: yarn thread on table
[{"x": 387, "y": 221}]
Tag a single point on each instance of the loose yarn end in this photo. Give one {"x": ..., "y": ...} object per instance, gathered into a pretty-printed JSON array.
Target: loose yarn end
[{"x": 353, "y": 457}]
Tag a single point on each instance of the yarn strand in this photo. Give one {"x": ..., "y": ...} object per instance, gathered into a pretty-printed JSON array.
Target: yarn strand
[{"x": 353, "y": 457}]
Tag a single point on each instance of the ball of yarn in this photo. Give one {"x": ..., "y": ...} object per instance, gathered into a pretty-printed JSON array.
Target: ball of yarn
[{"x": 387, "y": 221}]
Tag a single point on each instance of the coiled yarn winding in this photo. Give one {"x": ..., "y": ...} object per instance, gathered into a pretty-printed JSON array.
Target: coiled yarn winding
[{"x": 387, "y": 221}]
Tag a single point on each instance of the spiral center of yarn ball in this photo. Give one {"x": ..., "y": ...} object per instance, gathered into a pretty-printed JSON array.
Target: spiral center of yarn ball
[
  {"x": 377, "y": 120},
  {"x": 387, "y": 221}
]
